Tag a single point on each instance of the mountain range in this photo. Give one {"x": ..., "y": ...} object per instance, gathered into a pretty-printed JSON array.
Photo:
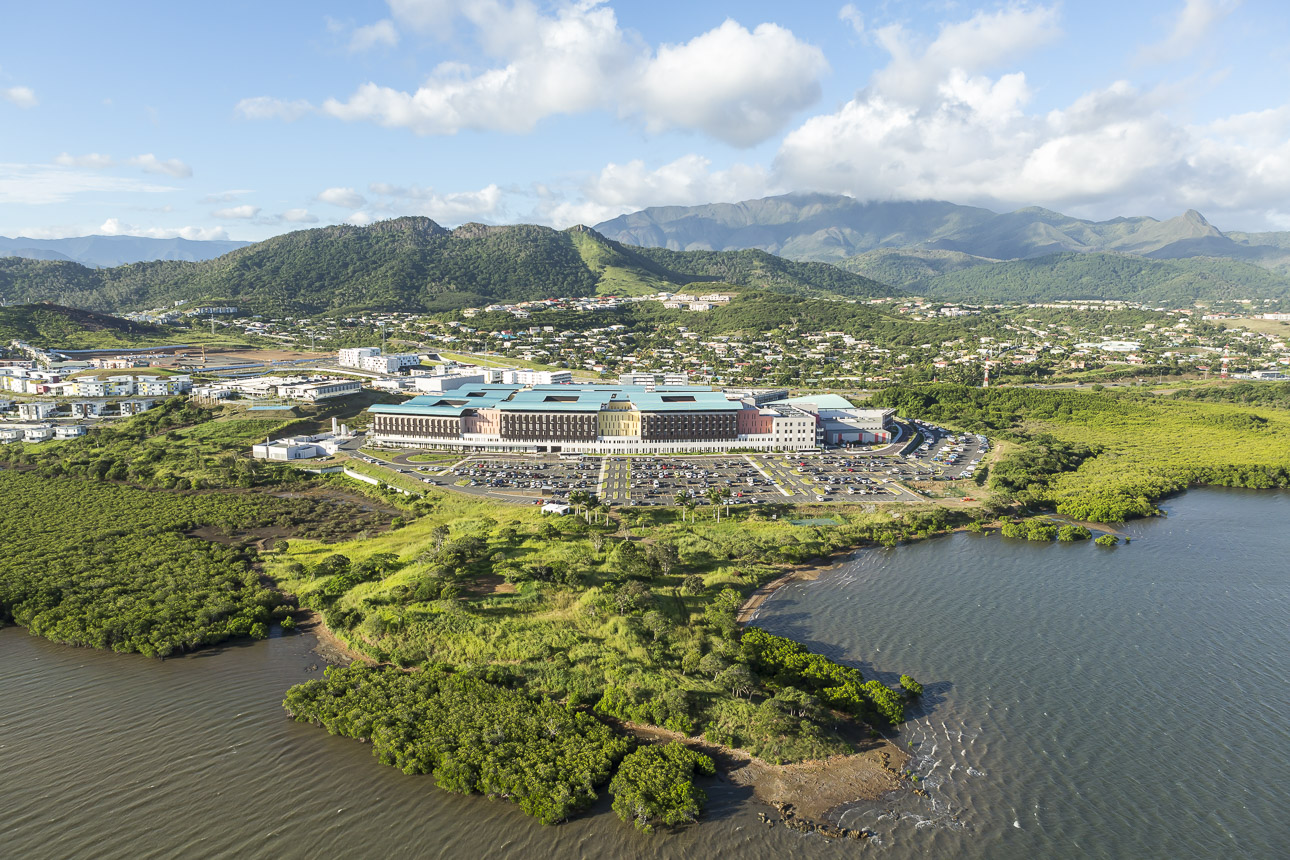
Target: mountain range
[
  {"x": 415, "y": 264},
  {"x": 800, "y": 244},
  {"x": 97, "y": 251},
  {"x": 829, "y": 228}
]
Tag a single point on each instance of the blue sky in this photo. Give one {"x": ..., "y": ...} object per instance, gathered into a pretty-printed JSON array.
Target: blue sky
[{"x": 244, "y": 120}]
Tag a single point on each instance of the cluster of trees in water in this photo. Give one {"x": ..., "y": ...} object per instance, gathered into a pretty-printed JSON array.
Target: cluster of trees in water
[
  {"x": 477, "y": 733},
  {"x": 111, "y": 566}
]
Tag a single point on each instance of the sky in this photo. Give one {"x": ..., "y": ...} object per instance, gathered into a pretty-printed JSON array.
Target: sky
[{"x": 244, "y": 120}]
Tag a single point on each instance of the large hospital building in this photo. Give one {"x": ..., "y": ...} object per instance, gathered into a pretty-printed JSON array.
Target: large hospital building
[{"x": 621, "y": 419}]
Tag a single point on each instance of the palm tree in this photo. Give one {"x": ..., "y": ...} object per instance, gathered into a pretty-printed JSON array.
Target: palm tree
[
  {"x": 714, "y": 498},
  {"x": 681, "y": 500},
  {"x": 578, "y": 498}
]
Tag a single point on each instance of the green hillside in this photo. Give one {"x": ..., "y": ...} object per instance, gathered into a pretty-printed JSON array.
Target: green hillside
[
  {"x": 751, "y": 313},
  {"x": 908, "y": 267},
  {"x": 760, "y": 270},
  {"x": 412, "y": 264},
  {"x": 46, "y": 324},
  {"x": 1107, "y": 276}
]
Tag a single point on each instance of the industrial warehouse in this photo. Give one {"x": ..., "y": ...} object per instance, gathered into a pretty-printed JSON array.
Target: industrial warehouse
[{"x": 624, "y": 419}]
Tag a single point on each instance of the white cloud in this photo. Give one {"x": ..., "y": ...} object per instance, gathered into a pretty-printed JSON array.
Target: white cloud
[
  {"x": 733, "y": 84},
  {"x": 1194, "y": 23},
  {"x": 243, "y": 211},
  {"x": 687, "y": 181},
  {"x": 737, "y": 86},
  {"x": 117, "y": 227},
  {"x": 380, "y": 33},
  {"x": 561, "y": 66},
  {"x": 360, "y": 218},
  {"x": 454, "y": 207},
  {"x": 39, "y": 184},
  {"x": 979, "y": 44},
  {"x": 171, "y": 167},
  {"x": 95, "y": 160},
  {"x": 346, "y": 198},
  {"x": 23, "y": 97},
  {"x": 266, "y": 107},
  {"x": 299, "y": 216},
  {"x": 852, "y": 16},
  {"x": 936, "y": 123}
]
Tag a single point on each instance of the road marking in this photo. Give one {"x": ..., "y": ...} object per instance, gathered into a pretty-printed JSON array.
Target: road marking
[
  {"x": 456, "y": 465},
  {"x": 767, "y": 475},
  {"x": 600, "y": 483}
]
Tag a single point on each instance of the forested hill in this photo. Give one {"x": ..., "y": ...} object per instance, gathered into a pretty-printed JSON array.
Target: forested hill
[
  {"x": 411, "y": 264},
  {"x": 71, "y": 328},
  {"x": 1170, "y": 283}
]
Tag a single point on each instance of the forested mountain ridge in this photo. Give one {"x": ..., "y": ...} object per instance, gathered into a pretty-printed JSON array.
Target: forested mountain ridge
[
  {"x": 831, "y": 228},
  {"x": 413, "y": 264}
]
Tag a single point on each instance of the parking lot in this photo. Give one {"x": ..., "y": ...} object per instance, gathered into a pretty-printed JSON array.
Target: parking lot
[
  {"x": 852, "y": 475},
  {"x": 948, "y": 455},
  {"x": 660, "y": 480}
]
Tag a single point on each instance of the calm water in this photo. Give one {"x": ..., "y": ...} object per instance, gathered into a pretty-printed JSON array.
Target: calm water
[{"x": 1080, "y": 703}]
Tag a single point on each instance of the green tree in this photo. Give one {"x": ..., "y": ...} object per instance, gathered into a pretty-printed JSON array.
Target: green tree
[{"x": 655, "y": 785}]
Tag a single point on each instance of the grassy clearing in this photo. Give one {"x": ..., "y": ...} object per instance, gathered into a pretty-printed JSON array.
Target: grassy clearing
[{"x": 624, "y": 610}]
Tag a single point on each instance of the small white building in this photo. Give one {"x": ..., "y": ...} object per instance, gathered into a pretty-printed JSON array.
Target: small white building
[
  {"x": 36, "y": 410},
  {"x": 42, "y": 433},
  {"x": 134, "y": 407},
  {"x": 87, "y": 408},
  {"x": 325, "y": 389},
  {"x": 69, "y": 431},
  {"x": 297, "y": 447}
]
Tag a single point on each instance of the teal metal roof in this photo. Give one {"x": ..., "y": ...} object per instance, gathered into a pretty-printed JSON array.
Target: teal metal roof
[
  {"x": 562, "y": 398},
  {"x": 449, "y": 404}
]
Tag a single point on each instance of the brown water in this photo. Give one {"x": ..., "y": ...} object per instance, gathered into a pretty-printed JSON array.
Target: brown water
[
  {"x": 107, "y": 755},
  {"x": 1080, "y": 702}
]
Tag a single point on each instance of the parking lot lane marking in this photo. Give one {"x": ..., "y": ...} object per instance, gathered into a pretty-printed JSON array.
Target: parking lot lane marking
[
  {"x": 767, "y": 475},
  {"x": 456, "y": 465},
  {"x": 600, "y": 483}
]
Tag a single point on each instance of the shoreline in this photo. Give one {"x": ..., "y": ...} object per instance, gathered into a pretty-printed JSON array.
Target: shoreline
[
  {"x": 334, "y": 650},
  {"x": 811, "y": 792}
]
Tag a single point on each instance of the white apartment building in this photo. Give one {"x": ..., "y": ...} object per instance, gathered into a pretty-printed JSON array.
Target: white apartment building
[
  {"x": 537, "y": 377},
  {"x": 354, "y": 356},
  {"x": 389, "y": 363}
]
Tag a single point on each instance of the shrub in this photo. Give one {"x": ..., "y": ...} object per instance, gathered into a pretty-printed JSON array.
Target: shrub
[{"x": 655, "y": 784}]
